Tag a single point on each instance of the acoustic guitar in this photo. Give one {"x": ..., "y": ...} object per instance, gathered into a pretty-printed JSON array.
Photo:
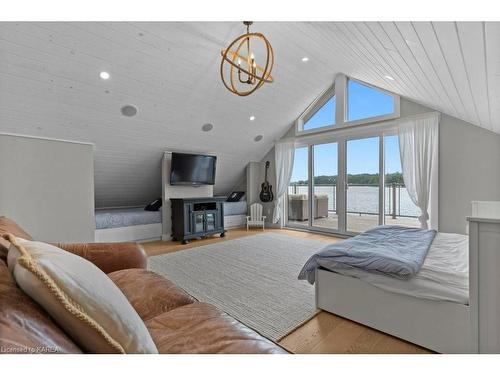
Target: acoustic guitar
[{"x": 266, "y": 192}]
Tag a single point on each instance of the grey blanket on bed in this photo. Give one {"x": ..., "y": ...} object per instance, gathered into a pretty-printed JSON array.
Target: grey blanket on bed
[{"x": 389, "y": 249}]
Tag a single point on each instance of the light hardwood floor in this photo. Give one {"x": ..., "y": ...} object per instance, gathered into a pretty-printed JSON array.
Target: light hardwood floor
[{"x": 324, "y": 333}]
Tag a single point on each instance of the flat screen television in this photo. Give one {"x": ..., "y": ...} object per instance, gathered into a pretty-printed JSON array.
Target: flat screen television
[{"x": 191, "y": 169}]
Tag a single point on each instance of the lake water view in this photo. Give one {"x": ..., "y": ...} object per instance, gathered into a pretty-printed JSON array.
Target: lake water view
[{"x": 364, "y": 199}]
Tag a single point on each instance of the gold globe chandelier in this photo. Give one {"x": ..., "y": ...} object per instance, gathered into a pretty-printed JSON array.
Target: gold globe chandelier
[{"x": 239, "y": 70}]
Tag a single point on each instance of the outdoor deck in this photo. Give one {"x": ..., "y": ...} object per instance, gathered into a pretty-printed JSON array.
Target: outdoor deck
[{"x": 357, "y": 222}]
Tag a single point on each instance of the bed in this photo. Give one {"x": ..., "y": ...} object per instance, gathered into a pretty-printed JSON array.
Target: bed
[
  {"x": 235, "y": 214},
  {"x": 127, "y": 224},
  {"x": 444, "y": 275},
  {"x": 431, "y": 309}
]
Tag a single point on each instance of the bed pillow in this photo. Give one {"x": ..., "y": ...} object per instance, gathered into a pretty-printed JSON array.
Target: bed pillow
[{"x": 79, "y": 297}]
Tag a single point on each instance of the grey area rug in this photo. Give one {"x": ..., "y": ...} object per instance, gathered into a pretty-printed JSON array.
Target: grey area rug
[{"x": 253, "y": 279}]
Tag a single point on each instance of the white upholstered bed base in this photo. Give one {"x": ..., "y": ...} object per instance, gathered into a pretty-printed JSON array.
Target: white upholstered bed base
[
  {"x": 445, "y": 327},
  {"x": 134, "y": 233}
]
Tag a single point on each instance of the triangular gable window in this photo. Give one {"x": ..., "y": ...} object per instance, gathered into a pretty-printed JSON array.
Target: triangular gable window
[
  {"x": 322, "y": 117},
  {"x": 348, "y": 102},
  {"x": 365, "y": 102}
]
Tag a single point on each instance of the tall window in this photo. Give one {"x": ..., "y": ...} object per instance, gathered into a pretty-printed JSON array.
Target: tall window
[
  {"x": 362, "y": 169},
  {"x": 349, "y": 181},
  {"x": 325, "y": 171},
  {"x": 347, "y": 195},
  {"x": 365, "y": 102}
]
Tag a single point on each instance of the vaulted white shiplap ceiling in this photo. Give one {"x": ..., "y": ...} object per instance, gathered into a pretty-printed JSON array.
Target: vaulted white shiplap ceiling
[{"x": 50, "y": 86}]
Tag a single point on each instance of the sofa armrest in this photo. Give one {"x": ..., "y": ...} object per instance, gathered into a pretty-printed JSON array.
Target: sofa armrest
[{"x": 109, "y": 257}]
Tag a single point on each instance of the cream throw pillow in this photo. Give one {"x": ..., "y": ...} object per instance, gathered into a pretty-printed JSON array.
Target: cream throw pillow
[{"x": 79, "y": 297}]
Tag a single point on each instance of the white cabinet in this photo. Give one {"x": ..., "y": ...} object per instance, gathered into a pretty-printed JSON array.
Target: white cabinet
[{"x": 484, "y": 268}]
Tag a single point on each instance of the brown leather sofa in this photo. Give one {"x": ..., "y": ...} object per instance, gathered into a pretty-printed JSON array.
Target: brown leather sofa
[{"x": 176, "y": 321}]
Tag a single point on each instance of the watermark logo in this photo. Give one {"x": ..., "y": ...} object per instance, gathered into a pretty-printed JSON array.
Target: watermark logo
[{"x": 29, "y": 349}]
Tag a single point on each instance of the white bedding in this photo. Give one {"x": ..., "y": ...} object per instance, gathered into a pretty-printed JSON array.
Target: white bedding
[{"x": 444, "y": 274}]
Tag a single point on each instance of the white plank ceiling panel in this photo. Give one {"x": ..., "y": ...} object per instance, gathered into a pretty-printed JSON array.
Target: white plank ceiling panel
[{"x": 50, "y": 86}]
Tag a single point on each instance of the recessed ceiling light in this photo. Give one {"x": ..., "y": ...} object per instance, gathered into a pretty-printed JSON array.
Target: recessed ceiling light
[
  {"x": 389, "y": 78},
  {"x": 252, "y": 118},
  {"x": 104, "y": 75},
  {"x": 258, "y": 138},
  {"x": 129, "y": 110},
  {"x": 207, "y": 127},
  {"x": 305, "y": 59}
]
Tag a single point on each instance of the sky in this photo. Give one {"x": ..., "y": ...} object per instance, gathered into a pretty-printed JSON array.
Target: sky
[{"x": 362, "y": 155}]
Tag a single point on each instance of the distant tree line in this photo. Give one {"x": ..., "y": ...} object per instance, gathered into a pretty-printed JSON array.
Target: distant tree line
[{"x": 359, "y": 179}]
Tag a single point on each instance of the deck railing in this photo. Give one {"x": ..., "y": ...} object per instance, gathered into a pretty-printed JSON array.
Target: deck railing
[{"x": 398, "y": 203}]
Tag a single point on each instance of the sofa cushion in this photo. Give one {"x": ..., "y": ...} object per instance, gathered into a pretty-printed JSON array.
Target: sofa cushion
[
  {"x": 109, "y": 256},
  {"x": 24, "y": 326},
  {"x": 202, "y": 328},
  {"x": 79, "y": 297},
  {"x": 149, "y": 293},
  {"x": 9, "y": 226}
]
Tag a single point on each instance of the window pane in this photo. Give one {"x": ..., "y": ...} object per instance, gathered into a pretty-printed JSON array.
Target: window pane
[
  {"x": 298, "y": 190},
  {"x": 325, "y": 116},
  {"x": 399, "y": 208},
  {"x": 325, "y": 185},
  {"x": 362, "y": 184},
  {"x": 364, "y": 102}
]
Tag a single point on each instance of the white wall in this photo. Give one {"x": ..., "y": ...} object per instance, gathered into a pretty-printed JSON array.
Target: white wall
[
  {"x": 469, "y": 169},
  {"x": 169, "y": 191},
  {"x": 255, "y": 177},
  {"x": 253, "y": 182},
  {"x": 47, "y": 186}
]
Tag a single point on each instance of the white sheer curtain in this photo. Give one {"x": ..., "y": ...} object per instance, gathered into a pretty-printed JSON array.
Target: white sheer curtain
[
  {"x": 284, "y": 154},
  {"x": 418, "y": 147}
]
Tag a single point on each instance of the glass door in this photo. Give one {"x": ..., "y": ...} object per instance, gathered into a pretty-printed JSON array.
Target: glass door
[
  {"x": 363, "y": 184},
  {"x": 199, "y": 221},
  {"x": 210, "y": 220},
  {"x": 325, "y": 182},
  {"x": 337, "y": 186}
]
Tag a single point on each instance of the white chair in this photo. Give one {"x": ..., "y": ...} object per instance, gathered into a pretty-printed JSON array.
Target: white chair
[{"x": 256, "y": 218}]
